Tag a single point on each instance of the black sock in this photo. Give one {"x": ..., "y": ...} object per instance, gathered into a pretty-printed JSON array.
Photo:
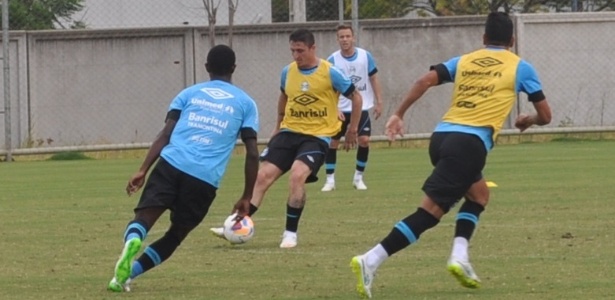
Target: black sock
[
  {"x": 330, "y": 161},
  {"x": 253, "y": 209},
  {"x": 467, "y": 219},
  {"x": 362, "y": 154},
  {"x": 292, "y": 218},
  {"x": 408, "y": 231},
  {"x": 158, "y": 252},
  {"x": 135, "y": 228}
]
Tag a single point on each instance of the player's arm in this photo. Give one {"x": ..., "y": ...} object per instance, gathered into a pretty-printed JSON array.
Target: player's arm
[
  {"x": 375, "y": 83},
  {"x": 249, "y": 139},
  {"x": 395, "y": 125},
  {"x": 528, "y": 82},
  {"x": 373, "y": 79},
  {"x": 357, "y": 106},
  {"x": 162, "y": 139},
  {"x": 282, "y": 100},
  {"x": 343, "y": 84}
]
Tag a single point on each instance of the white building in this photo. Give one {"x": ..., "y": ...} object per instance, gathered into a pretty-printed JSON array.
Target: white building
[{"x": 99, "y": 14}]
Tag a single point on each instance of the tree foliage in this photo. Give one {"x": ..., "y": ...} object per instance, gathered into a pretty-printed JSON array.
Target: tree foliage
[
  {"x": 479, "y": 7},
  {"x": 315, "y": 10},
  {"x": 379, "y": 9},
  {"x": 43, "y": 14},
  {"x": 319, "y": 10}
]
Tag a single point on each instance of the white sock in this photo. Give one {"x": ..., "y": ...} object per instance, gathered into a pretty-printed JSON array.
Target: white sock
[
  {"x": 331, "y": 178},
  {"x": 358, "y": 175},
  {"x": 460, "y": 248},
  {"x": 375, "y": 257},
  {"x": 289, "y": 233}
]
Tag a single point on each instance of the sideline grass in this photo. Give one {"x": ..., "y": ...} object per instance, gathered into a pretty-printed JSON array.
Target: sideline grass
[{"x": 547, "y": 234}]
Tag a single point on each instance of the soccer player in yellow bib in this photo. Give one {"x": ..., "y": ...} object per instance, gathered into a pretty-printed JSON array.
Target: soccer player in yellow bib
[
  {"x": 486, "y": 84},
  {"x": 307, "y": 119}
]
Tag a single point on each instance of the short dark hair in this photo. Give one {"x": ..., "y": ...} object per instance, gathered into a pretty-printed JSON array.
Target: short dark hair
[
  {"x": 221, "y": 60},
  {"x": 302, "y": 35},
  {"x": 345, "y": 26},
  {"x": 499, "y": 29}
]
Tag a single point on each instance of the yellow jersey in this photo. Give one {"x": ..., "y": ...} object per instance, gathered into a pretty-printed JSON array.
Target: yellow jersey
[
  {"x": 485, "y": 90},
  {"x": 312, "y": 101}
]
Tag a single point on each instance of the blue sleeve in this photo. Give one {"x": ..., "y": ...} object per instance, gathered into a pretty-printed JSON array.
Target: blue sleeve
[
  {"x": 250, "y": 115},
  {"x": 341, "y": 82},
  {"x": 331, "y": 60},
  {"x": 371, "y": 64},
  {"x": 451, "y": 66},
  {"x": 283, "y": 78},
  {"x": 527, "y": 78},
  {"x": 179, "y": 102}
]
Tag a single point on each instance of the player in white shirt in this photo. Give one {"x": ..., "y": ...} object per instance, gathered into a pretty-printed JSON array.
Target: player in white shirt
[{"x": 359, "y": 65}]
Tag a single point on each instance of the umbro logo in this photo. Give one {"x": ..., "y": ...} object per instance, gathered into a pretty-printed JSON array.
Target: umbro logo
[
  {"x": 305, "y": 100},
  {"x": 486, "y": 62},
  {"x": 217, "y": 93}
]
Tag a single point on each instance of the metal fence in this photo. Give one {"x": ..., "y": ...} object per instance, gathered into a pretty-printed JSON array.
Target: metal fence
[{"x": 106, "y": 83}]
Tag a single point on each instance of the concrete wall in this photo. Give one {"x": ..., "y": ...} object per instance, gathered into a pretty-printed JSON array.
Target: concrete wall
[{"x": 101, "y": 87}]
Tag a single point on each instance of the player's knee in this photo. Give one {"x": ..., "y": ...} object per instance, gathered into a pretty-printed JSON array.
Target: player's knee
[
  {"x": 297, "y": 178},
  {"x": 264, "y": 178},
  {"x": 483, "y": 201},
  {"x": 364, "y": 141}
]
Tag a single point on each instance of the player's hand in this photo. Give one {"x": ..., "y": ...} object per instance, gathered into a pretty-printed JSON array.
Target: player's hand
[
  {"x": 241, "y": 208},
  {"x": 350, "y": 140},
  {"x": 340, "y": 116},
  {"x": 524, "y": 122},
  {"x": 377, "y": 110},
  {"x": 135, "y": 183},
  {"x": 394, "y": 127}
]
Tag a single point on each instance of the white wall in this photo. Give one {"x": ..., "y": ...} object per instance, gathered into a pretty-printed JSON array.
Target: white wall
[{"x": 102, "y": 14}]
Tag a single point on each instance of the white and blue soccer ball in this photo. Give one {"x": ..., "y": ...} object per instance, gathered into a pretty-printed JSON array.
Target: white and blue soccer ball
[{"x": 238, "y": 232}]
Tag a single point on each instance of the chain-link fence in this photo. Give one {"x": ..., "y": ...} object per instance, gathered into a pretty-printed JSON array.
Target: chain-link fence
[{"x": 104, "y": 76}]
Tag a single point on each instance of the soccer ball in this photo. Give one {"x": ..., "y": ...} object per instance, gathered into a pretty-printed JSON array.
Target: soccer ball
[{"x": 238, "y": 232}]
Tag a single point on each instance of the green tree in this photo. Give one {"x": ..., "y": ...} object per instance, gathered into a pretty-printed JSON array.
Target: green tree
[
  {"x": 477, "y": 7},
  {"x": 315, "y": 10},
  {"x": 43, "y": 14},
  {"x": 380, "y": 9},
  {"x": 279, "y": 11},
  {"x": 321, "y": 10}
]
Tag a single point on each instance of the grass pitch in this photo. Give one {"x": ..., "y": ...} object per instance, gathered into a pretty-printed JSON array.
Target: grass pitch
[{"x": 548, "y": 232}]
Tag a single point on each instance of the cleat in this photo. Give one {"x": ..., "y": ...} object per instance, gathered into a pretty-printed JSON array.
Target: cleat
[
  {"x": 117, "y": 287},
  {"x": 359, "y": 184},
  {"x": 123, "y": 267},
  {"x": 365, "y": 276},
  {"x": 329, "y": 186},
  {"x": 289, "y": 240},
  {"x": 464, "y": 273},
  {"x": 218, "y": 232}
]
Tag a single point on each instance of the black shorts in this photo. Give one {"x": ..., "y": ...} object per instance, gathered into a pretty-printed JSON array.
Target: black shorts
[
  {"x": 365, "y": 125},
  {"x": 286, "y": 147},
  {"x": 187, "y": 197},
  {"x": 459, "y": 159}
]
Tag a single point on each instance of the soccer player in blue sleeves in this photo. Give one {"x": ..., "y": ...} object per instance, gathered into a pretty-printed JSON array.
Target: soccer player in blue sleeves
[
  {"x": 486, "y": 85},
  {"x": 307, "y": 119},
  {"x": 359, "y": 65},
  {"x": 193, "y": 149}
]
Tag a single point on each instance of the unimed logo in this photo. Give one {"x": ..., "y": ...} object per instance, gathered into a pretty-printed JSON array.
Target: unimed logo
[{"x": 217, "y": 93}]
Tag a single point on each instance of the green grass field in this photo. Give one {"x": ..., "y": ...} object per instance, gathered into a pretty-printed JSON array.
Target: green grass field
[{"x": 548, "y": 232}]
